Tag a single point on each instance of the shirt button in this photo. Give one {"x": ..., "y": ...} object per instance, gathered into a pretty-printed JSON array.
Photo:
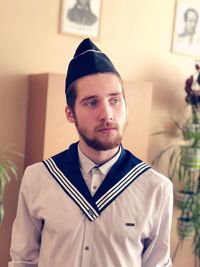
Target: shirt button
[
  {"x": 87, "y": 248},
  {"x": 94, "y": 187},
  {"x": 90, "y": 212}
]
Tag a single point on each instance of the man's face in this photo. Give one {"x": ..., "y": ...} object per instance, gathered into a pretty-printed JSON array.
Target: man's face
[
  {"x": 191, "y": 22},
  {"x": 100, "y": 113},
  {"x": 83, "y": 3}
]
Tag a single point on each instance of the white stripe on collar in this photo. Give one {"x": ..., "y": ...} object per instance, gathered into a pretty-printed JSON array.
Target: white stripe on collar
[
  {"x": 123, "y": 183},
  {"x": 72, "y": 190}
]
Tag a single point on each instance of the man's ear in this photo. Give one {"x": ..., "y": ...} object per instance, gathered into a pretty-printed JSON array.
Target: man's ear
[{"x": 69, "y": 114}]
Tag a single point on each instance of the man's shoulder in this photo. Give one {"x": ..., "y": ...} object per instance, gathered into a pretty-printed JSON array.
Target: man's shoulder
[
  {"x": 151, "y": 176},
  {"x": 91, "y": 18},
  {"x": 157, "y": 179},
  {"x": 155, "y": 175},
  {"x": 72, "y": 11},
  {"x": 36, "y": 168},
  {"x": 60, "y": 156},
  {"x": 73, "y": 14}
]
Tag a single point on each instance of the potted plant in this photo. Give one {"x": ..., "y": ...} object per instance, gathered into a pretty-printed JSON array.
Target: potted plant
[
  {"x": 195, "y": 212},
  {"x": 184, "y": 166},
  {"x": 7, "y": 170}
]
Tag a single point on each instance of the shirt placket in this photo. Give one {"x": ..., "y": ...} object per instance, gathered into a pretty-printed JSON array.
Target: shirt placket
[
  {"x": 89, "y": 226},
  {"x": 96, "y": 180},
  {"x": 87, "y": 243}
]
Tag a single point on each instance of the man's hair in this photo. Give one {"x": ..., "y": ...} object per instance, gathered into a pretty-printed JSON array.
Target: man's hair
[
  {"x": 190, "y": 10},
  {"x": 71, "y": 93}
]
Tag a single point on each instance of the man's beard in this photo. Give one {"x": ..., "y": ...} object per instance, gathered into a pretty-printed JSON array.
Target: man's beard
[{"x": 97, "y": 143}]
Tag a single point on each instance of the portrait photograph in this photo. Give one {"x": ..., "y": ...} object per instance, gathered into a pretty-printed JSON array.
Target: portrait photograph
[
  {"x": 186, "y": 32},
  {"x": 80, "y": 17}
]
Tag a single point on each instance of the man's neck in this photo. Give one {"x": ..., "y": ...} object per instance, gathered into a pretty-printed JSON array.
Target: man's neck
[{"x": 98, "y": 157}]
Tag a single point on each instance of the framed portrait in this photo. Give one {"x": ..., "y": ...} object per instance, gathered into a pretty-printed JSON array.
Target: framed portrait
[
  {"x": 186, "y": 32},
  {"x": 80, "y": 17}
]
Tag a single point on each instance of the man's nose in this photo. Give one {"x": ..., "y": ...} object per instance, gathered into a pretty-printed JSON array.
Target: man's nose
[{"x": 105, "y": 112}]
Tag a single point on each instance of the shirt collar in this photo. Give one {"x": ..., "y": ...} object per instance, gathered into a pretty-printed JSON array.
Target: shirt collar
[{"x": 86, "y": 164}]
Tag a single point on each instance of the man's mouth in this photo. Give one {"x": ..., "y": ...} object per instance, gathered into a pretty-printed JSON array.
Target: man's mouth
[{"x": 106, "y": 128}]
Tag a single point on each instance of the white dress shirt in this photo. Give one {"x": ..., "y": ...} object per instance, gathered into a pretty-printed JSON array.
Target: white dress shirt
[
  {"x": 93, "y": 174},
  {"x": 50, "y": 230}
]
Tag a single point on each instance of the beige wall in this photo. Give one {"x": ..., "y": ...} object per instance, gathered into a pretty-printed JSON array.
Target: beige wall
[
  {"x": 135, "y": 34},
  {"x": 13, "y": 106}
]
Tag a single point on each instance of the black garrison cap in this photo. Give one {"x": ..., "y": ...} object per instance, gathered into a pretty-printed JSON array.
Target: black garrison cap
[{"x": 88, "y": 59}]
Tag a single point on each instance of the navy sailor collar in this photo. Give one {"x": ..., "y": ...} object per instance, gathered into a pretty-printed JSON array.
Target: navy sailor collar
[
  {"x": 87, "y": 164},
  {"x": 65, "y": 169}
]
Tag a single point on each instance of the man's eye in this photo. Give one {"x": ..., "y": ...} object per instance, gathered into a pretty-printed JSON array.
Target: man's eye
[
  {"x": 115, "y": 100},
  {"x": 91, "y": 103}
]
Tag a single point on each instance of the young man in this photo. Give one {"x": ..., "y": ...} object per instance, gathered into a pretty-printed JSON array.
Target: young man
[{"x": 95, "y": 204}]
